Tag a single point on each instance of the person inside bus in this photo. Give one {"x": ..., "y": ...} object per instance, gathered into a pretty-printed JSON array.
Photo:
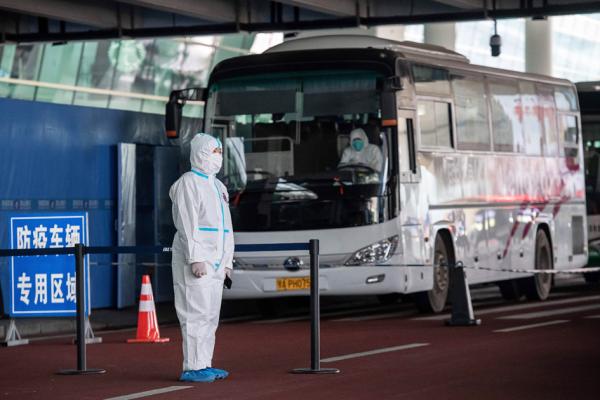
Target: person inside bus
[
  {"x": 202, "y": 256},
  {"x": 361, "y": 152}
]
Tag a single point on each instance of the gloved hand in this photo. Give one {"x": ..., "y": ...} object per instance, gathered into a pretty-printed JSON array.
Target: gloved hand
[
  {"x": 199, "y": 269},
  {"x": 228, "y": 272}
]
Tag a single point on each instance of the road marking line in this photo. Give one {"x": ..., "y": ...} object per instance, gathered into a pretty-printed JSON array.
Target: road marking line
[
  {"x": 377, "y": 316},
  {"x": 523, "y": 327},
  {"x": 549, "y": 313},
  {"x": 372, "y": 352},
  {"x": 593, "y": 317},
  {"x": 280, "y": 320},
  {"x": 550, "y": 303},
  {"x": 324, "y": 315},
  {"x": 147, "y": 393}
]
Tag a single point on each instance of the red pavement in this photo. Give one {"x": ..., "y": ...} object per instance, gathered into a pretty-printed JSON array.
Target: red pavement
[{"x": 553, "y": 362}]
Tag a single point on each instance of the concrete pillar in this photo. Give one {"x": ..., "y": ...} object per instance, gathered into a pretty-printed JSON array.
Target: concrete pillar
[
  {"x": 441, "y": 34},
  {"x": 392, "y": 32},
  {"x": 538, "y": 46}
]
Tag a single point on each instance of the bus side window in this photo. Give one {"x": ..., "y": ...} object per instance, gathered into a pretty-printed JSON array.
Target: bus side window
[
  {"x": 569, "y": 132},
  {"x": 471, "y": 113},
  {"x": 506, "y": 116},
  {"x": 547, "y": 112},
  {"x": 435, "y": 123},
  {"x": 532, "y": 119}
]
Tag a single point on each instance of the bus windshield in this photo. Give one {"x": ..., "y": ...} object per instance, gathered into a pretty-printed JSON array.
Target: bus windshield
[{"x": 303, "y": 151}]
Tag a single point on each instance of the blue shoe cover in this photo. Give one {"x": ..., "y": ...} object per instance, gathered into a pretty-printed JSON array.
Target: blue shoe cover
[
  {"x": 201, "y": 375},
  {"x": 218, "y": 373}
]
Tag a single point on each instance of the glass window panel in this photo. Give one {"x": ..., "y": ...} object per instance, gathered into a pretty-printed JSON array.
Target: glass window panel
[
  {"x": 59, "y": 66},
  {"x": 25, "y": 66},
  {"x": 569, "y": 131},
  {"x": 442, "y": 123},
  {"x": 132, "y": 71},
  {"x": 472, "y": 127},
  {"x": 95, "y": 71},
  {"x": 565, "y": 99},
  {"x": 192, "y": 110},
  {"x": 427, "y": 123},
  {"x": 431, "y": 80},
  {"x": 506, "y": 117},
  {"x": 532, "y": 119},
  {"x": 548, "y": 113},
  {"x": 434, "y": 119},
  {"x": 154, "y": 106},
  {"x": 7, "y": 56}
]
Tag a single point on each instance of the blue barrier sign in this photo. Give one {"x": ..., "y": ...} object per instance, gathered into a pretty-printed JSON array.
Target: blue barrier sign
[{"x": 44, "y": 286}]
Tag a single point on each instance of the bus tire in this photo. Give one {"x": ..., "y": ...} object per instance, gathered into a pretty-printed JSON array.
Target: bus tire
[
  {"x": 538, "y": 287},
  {"x": 510, "y": 290},
  {"x": 434, "y": 300}
]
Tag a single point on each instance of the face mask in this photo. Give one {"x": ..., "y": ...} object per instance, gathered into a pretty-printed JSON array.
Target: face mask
[
  {"x": 358, "y": 144},
  {"x": 214, "y": 163}
]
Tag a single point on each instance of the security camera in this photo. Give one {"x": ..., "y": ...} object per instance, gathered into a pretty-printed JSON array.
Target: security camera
[{"x": 495, "y": 44}]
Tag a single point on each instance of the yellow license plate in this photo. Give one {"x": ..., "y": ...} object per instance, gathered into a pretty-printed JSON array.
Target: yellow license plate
[{"x": 284, "y": 284}]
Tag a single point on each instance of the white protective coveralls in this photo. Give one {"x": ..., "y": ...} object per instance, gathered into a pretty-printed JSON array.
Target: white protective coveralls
[
  {"x": 204, "y": 234},
  {"x": 369, "y": 155}
]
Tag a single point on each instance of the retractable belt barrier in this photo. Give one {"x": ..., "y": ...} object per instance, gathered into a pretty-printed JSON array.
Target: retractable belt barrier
[
  {"x": 462, "y": 310},
  {"x": 460, "y": 297},
  {"x": 79, "y": 251},
  {"x": 513, "y": 270}
]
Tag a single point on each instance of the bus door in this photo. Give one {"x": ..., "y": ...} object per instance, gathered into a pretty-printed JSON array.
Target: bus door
[
  {"x": 407, "y": 142},
  {"x": 410, "y": 176}
]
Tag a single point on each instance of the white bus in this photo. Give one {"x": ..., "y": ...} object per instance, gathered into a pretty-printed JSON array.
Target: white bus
[{"x": 480, "y": 165}]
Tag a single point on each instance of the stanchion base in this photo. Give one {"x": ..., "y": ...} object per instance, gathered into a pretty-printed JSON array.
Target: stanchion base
[
  {"x": 159, "y": 340},
  {"x": 88, "y": 371},
  {"x": 18, "y": 342},
  {"x": 94, "y": 340},
  {"x": 466, "y": 322},
  {"x": 315, "y": 371}
]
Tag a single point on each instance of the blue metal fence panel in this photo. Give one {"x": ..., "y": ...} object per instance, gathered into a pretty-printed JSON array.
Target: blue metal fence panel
[{"x": 56, "y": 158}]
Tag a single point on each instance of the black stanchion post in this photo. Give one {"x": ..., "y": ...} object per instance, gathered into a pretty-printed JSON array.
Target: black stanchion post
[
  {"x": 462, "y": 308},
  {"x": 80, "y": 296},
  {"x": 315, "y": 307},
  {"x": 315, "y": 317}
]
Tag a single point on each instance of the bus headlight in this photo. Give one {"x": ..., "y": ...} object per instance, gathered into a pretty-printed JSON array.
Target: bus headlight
[{"x": 376, "y": 253}]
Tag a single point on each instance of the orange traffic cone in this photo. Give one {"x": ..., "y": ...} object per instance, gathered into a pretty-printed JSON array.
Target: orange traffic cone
[{"x": 147, "y": 328}]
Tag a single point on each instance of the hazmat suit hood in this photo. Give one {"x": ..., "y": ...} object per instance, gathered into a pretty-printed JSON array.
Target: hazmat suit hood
[
  {"x": 359, "y": 133},
  {"x": 202, "y": 157}
]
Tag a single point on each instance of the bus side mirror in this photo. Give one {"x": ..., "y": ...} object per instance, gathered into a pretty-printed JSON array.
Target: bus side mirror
[
  {"x": 173, "y": 111},
  {"x": 174, "y": 108},
  {"x": 388, "y": 108}
]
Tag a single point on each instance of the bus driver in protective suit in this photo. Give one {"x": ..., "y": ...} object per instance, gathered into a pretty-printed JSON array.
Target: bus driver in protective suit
[
  {"x": 361, "y": 152},
  {"x": 202, "y": 256}
]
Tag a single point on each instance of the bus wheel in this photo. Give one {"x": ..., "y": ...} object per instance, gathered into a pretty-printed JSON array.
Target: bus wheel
[
  {"x": 510, "y": 290},
  {"x": 434, "y": 300},
  {"x": 538, "y": 286}
]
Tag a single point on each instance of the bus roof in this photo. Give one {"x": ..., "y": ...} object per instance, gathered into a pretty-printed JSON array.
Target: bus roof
[
  {"x": 365, "y": 41},
  {"x": 428, "y": 53},
  {"x": 361, "y": 49}
]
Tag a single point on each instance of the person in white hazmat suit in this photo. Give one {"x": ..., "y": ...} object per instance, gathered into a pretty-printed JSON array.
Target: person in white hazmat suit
[
  {"x": 202, "y": 256},
  {"x": 361, "y": 152}
]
